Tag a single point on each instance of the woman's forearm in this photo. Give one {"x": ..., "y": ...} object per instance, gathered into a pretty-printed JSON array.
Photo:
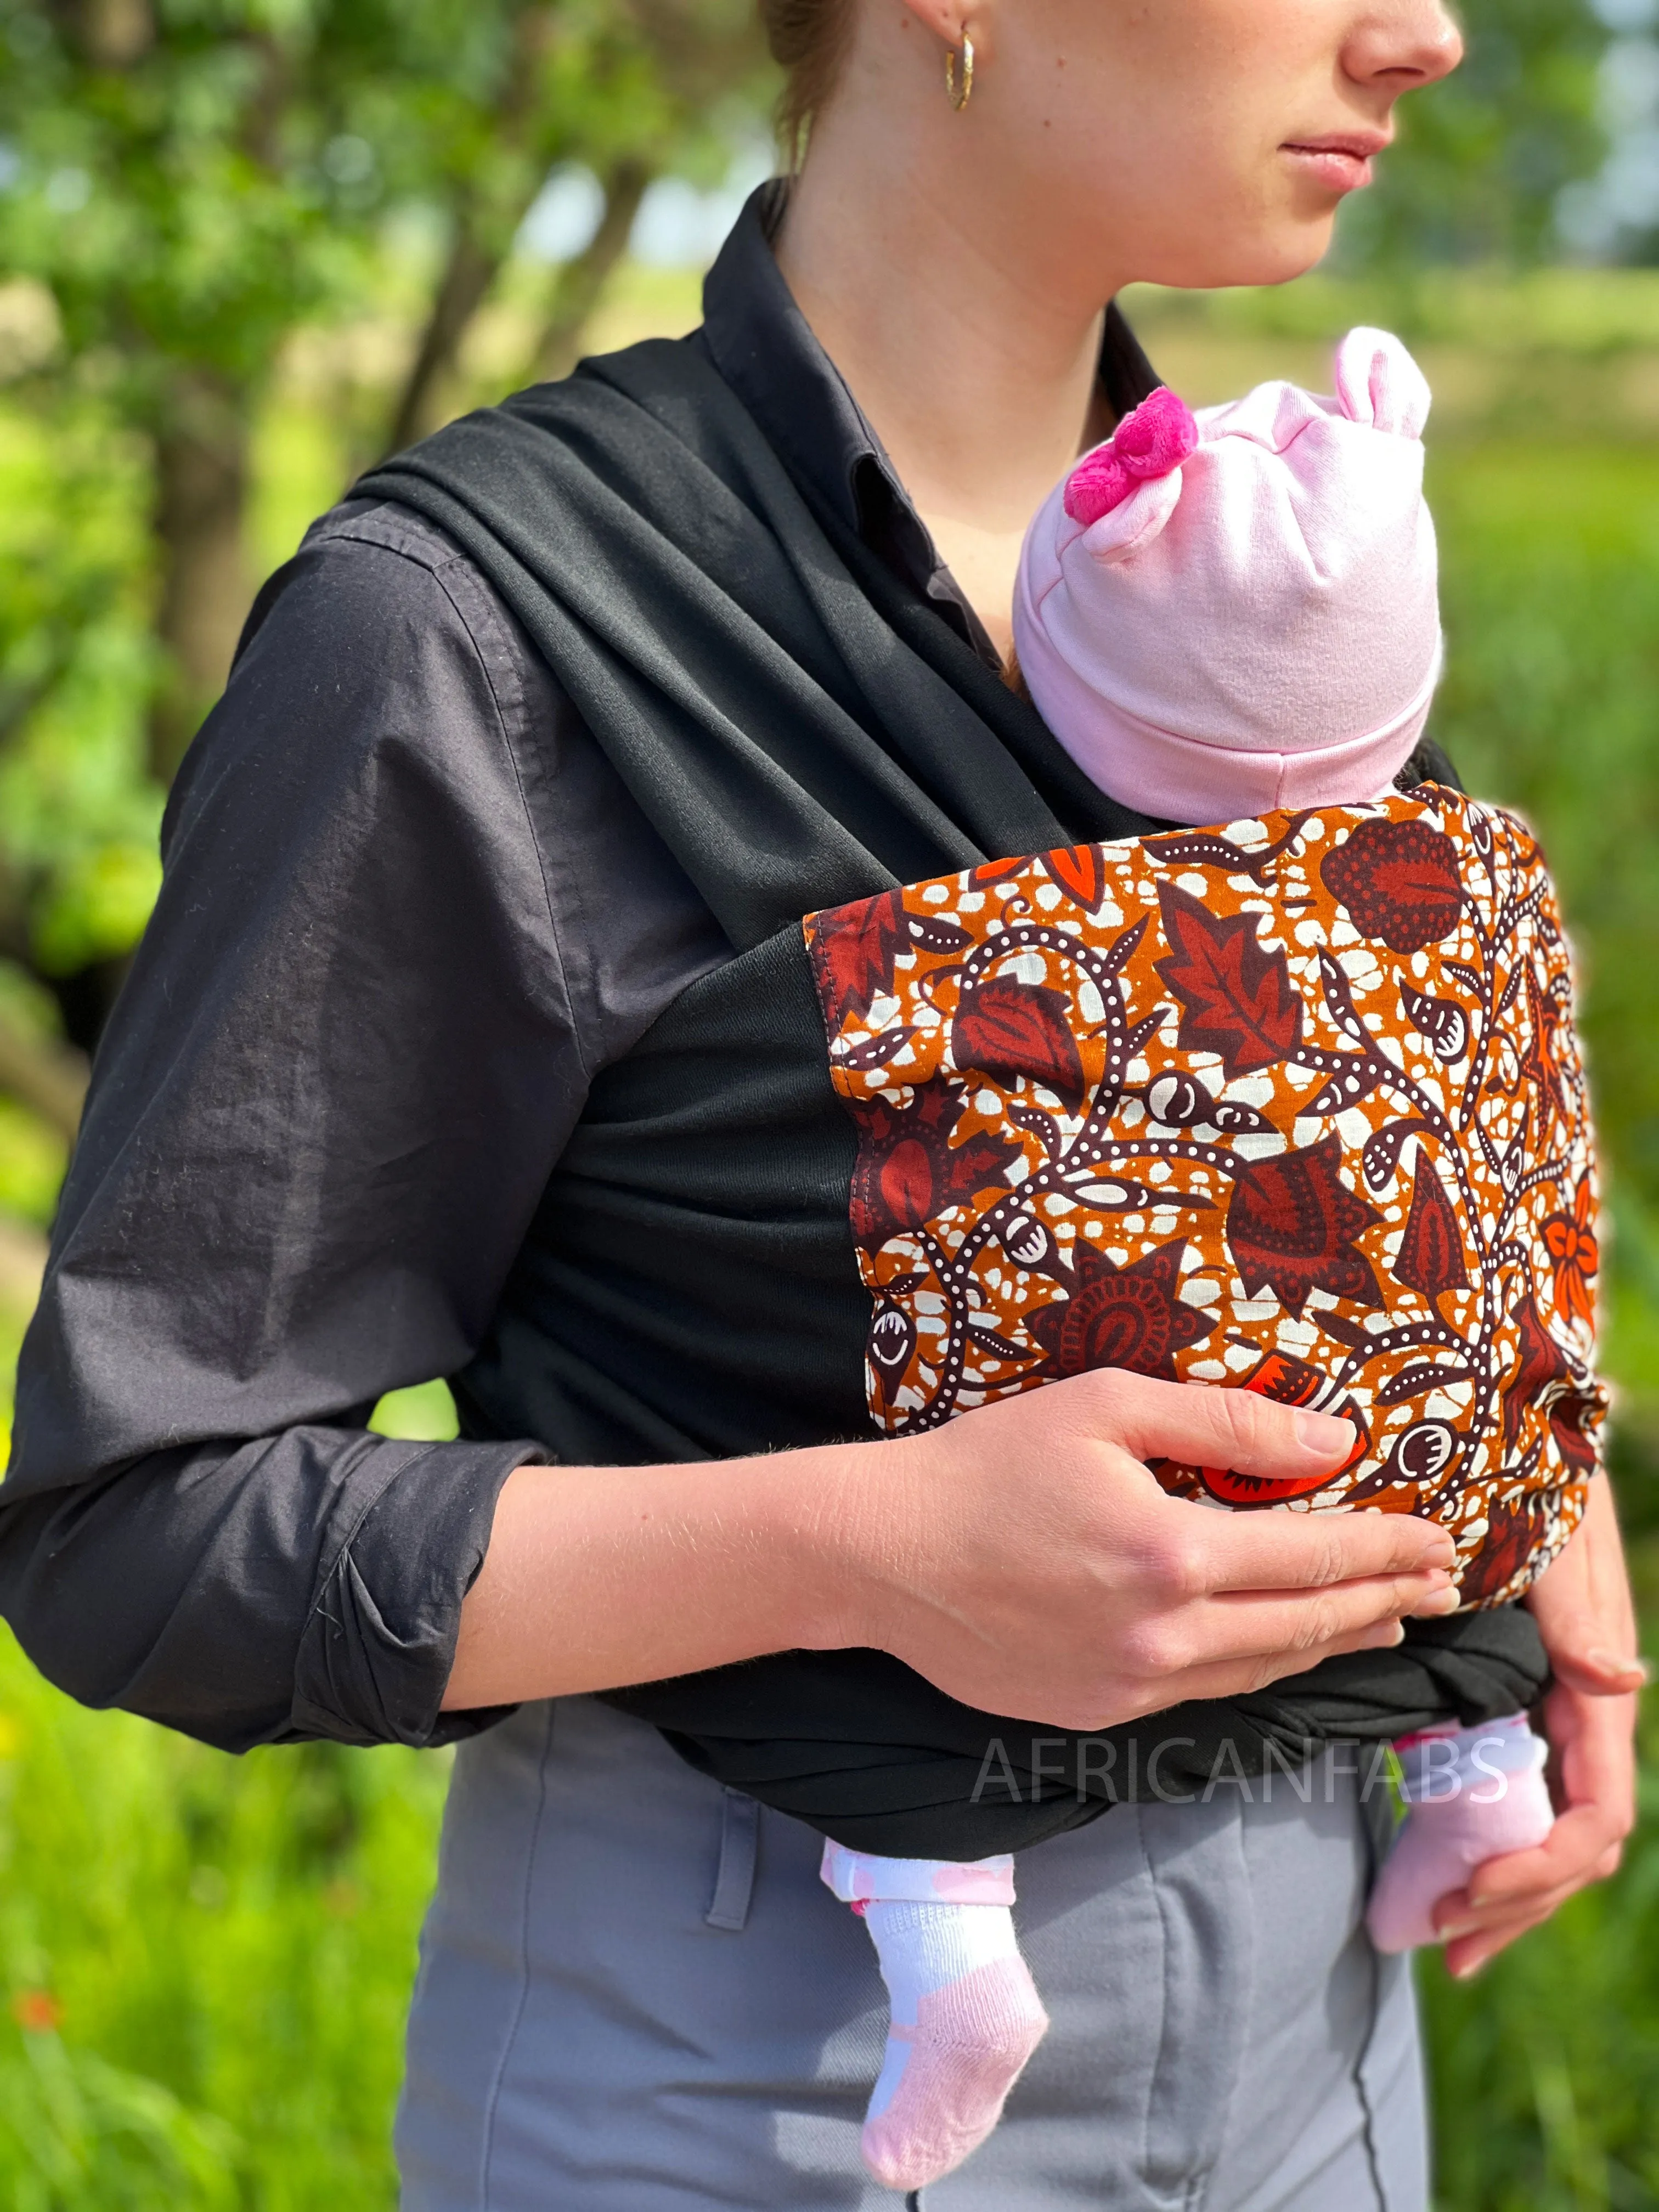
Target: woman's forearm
[
  {"x": 1021, "y": 1558},
  {"x": 600, "y": 1576}
]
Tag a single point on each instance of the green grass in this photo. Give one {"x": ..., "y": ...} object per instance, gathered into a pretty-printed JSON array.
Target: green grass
[{"x": 204, "y": 1962}]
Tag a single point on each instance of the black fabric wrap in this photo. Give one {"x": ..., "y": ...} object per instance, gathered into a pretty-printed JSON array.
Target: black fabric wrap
[{"x": 800, "y": 733}]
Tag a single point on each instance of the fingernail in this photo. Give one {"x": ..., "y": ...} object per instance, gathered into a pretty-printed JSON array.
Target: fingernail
[
  {"x": 1450, "y": 1935},
  {"x": 1467, "y": 1972},
  {"x": 1440, "y": 1601},
  {"x": 1610, "y": 1662},
  {"x": 1322, "y": 1433}
]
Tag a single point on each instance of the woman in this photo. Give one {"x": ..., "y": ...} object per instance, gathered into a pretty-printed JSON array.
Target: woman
[{"x": 466, "y": 1040}]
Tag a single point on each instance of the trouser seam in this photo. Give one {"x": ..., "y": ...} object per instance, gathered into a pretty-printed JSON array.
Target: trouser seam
[
  {"x": 1367, "y": 2114},
  {"x": 492, "y": 2097}
]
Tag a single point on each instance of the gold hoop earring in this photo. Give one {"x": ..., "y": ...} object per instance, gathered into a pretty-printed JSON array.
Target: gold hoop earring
[{"x": 959, "y": 98}]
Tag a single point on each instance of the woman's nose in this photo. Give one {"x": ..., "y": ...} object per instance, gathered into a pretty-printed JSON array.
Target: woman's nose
[{"x": 1400, "y": 47}]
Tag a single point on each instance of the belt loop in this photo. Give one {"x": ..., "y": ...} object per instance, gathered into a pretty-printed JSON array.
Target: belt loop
[{"x": 734, "y": 1882}]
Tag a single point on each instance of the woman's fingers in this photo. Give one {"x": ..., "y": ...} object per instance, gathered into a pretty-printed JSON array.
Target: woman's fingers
[
  {"x": 1601, "y": 1673},
  {"x": 1256, "y": 1554},
  {"x": 1582, "y": 1604},
  {"x": 1206, "y": 1427},
  {"x": 1257, "y": 1626},
  {"x": 1466, "y": 1955},
  {"x": 1241, "y": 1678},
  {"x": 1508, "y": 1895}
]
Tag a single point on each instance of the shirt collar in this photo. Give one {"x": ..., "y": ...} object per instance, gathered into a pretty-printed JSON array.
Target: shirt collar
[{"x": 763, "y": 345}]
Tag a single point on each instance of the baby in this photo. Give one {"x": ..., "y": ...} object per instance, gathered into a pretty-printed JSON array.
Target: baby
[{"x": 1232, "y": 620}]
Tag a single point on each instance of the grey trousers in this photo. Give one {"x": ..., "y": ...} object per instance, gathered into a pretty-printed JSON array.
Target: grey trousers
[{"x": 635, "y": 1996}]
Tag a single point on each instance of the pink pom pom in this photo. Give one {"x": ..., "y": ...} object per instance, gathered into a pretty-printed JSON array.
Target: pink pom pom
[
  {"x": 1152, "y": 441},
  {"x": 1098, "y": 484}
]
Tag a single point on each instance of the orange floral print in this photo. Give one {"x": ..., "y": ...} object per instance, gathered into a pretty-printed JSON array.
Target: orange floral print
[
  {"x": 1293, "y": 1106},
  {"x": 1570, "y": 1242}
]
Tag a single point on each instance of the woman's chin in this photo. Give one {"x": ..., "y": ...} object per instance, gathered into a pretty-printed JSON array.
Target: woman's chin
[{"x": 1290, "y": 252}]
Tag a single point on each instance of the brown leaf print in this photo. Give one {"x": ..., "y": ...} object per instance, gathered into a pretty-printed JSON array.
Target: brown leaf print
[
  {"x": 1514, "y": 1530},
  {"x": 1540, "y": 1063},
  {"x": 909, "y": 1170},
  {"x": 1399, "y": 881},
  {"x": 1430, "y": 1260},
  {"x": 1007, "y": 1029},
  {"x": 1292, "y": 1228},
  {"x": 1235, "y": 999},
  {"x": 1116, "y": 1316},
  {"x": 853, "y": 949},
  {"x": 1541, "y": 1370},
  {"x": 1576, "y": 1420}
]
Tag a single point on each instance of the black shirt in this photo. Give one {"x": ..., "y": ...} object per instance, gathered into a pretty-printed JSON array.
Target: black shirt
[{"x": 388, "y": 960}]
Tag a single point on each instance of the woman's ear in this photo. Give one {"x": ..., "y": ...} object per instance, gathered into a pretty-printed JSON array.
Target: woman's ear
[{"x": 951, "y": 20}]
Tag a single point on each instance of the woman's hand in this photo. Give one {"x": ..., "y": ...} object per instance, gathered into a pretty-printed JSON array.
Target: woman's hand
[
  {"x": 1024, "y": 1560},
  {"x": 1021, "y": 1558},
  {"x": 1582, "y": 1603}
]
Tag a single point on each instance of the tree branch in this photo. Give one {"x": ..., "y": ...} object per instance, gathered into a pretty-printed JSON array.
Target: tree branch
[
  {"x": 583, "y": 279},
  {"x": 468, "y": 274},
  {"x": 483, "y": 235}
]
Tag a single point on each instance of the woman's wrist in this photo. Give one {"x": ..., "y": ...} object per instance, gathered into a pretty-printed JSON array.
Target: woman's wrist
[{"x": 597, "y": 1577}]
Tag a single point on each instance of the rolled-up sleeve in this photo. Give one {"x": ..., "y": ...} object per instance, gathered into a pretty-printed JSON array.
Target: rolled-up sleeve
[{"x": 328, "y": 1101}]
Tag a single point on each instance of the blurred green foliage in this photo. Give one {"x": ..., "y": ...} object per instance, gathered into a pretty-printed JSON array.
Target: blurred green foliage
[
  {"x": 185, "y": 186},
  {"x": 251, "y": 241},
  {"x": 1483, "y": 155}
]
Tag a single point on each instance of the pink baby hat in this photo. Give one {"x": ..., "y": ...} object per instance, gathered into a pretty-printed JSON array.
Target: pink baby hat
[{"x": 1223, "y": 613}]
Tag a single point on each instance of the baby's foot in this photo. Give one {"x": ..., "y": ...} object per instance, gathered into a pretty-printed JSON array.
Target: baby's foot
[
  {"x": 966, "y": 2017},
  {"x": 1473, "y": 1794}
]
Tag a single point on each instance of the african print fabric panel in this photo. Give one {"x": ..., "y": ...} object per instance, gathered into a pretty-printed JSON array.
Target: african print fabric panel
[{"x": 1294, "y": 1106}]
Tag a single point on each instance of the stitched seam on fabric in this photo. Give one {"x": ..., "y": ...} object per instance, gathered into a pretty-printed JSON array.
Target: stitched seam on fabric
[
  {"x": 493, "y": 2094},
  {"x": 1162, "y": 1905},
  {"x": 1200, "y": 2192},
  {"x": 355, "y": 532},
  {"x": 1362, "y": 2093},
  {"x": 512, "y": 753}
]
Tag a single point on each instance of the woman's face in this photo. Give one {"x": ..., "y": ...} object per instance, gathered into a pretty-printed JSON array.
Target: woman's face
[{"x": 1181, "y": 142}]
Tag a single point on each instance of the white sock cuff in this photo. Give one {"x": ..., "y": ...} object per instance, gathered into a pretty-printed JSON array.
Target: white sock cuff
[{"x": 865, "y": 1878}]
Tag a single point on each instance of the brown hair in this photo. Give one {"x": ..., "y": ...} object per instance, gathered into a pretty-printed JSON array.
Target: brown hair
[{"x": 808, "y": 40}]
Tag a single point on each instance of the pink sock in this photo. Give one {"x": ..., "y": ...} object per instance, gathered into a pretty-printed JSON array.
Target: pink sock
[
  {"x": 1473, "y": 1794},
  {"x": 966, "y": 2014}
]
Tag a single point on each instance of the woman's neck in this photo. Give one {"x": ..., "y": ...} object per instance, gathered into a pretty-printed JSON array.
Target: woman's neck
[{"x": 981, "y": 385}]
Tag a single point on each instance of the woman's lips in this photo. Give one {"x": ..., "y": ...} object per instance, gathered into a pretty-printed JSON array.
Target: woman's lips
[{"x": 1340, "y": 165}]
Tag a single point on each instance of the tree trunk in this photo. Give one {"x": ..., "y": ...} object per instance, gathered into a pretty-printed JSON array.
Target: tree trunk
[
  {"x": 201, "y": 494},
  {"x": 468, "y": 274},
  {"x": 582, "y": 281},
  {"x": 486, "y": 227}
]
